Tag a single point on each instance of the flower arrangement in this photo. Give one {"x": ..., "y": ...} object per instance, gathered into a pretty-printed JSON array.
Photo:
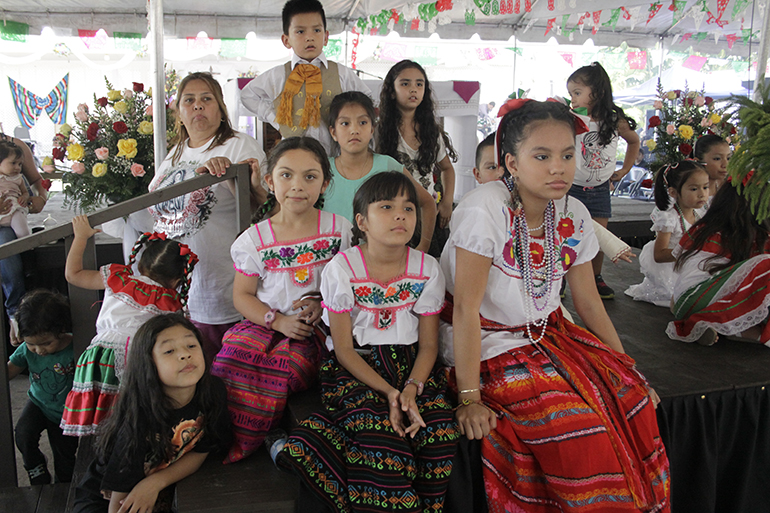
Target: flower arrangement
[
  {"x": 684, "y": 117},
  {"x": 110, "y": 149}
]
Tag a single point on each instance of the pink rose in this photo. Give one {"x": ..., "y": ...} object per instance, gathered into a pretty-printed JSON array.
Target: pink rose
[
  {"x": 50, "y": 168},
  {"x": 700, "y": 101},
  {"x": 102, "y": 153},
  {"x": 657, "y": 104},
  {"x": 81, "y": 116},
  {"x": 705, "y": 122},
  {"x": 128, "y": 94},
  {"x": 670, "y": 129},
  {"x": 148, "y": 110},
  {"x": 82, "y": 107},
  {"x": 137, "y": 170},
  {"x": 78, "y": 168}
]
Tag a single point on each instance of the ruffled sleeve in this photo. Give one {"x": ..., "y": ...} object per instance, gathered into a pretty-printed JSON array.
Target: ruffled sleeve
[
  {"x": 141, "y": 293},
  {"x": 431, "y": 301},
  {"x": 478, "y": 223},
  {"x": 664, "y": 220},
  {"x": 245, "y": 253},
  {"x": 336, "y": 289}
]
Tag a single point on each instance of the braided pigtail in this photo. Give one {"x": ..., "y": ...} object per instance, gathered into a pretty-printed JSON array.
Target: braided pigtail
[
  {"x": 138, "y": 245},
  {"x": 266, "y": 207},
  {"x": 191, "y": 260}
]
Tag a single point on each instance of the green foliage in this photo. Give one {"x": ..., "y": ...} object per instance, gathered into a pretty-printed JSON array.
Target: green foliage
[{"x": 749, "y": 168}]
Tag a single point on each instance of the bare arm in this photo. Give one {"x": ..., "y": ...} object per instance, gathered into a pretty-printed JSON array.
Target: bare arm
[
  {"x": 632, "y": 150},
  {"x": 447, "y": 197},
  {"x": 471, "y": 276},
  {"x": 13, "y": 370},
  {"x": 427, "y": 213},
  {"x": 73, "y": 271},
  {"x": 661, "y": 252},
  {"x": 143, "y": 496},
  {"x": 589, "y": 305}
]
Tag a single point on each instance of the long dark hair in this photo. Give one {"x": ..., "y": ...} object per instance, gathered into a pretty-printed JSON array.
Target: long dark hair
[
  {"x": 428, "y": 129},
  {"x": 729, "y": 215},
  {"x": 383, "y": 187},
  {"x": 164, "y": 261},
  {"x": 288, "y": 144},
  {"x": 673, "y": 175},
  {"x": 351, "y": 98},
  {"x": 225, "y": 130},
  {"x": 143, "y": 414},
  {"x": 704, "y": 144},
  {"x": 604, "y": 111}
]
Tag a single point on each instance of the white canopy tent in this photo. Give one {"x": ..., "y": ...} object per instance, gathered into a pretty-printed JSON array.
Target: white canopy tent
[{"x": 717, "y": 85}]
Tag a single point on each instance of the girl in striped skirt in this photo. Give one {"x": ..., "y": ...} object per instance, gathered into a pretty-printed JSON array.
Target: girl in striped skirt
[
  {"x": 276, "y": 349},
  {"x": 724, "y": 271},
  {"x": 567, "y": 423},
  {"x": 386, "y": 438}
]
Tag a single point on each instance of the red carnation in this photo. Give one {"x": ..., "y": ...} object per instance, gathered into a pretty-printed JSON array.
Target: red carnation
[
  {"x": 678, "y": 92},
  {"x": 93, "y": 129},
  {"x": 138, "y": 87},
  {"x": 685, "y": 148},
  {"x": 102, "y": 101},
  {"x": 654, "y": 121},
  {"x": 733, "y": 131},
  {"x": 709, "y": 100},
  {"x": 120, "y": 127},
  {"x": 46, "y": 183},
  {"x": 688, "y": 102},
  {"x": 58, "y": 153}
]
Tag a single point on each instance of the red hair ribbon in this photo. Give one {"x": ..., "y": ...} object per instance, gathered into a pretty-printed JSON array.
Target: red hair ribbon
[
  {"x": 156, "y": 236},
  {"x": 511, "y": 104},
  {"x": 185, "y": 250}
]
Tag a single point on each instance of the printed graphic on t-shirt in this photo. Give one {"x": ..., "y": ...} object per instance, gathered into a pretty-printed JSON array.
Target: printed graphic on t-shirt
[
  {"x": 182, "y": 216},
  {"x": 594, "y": 157},
  {"x": 53, "y": 381}
]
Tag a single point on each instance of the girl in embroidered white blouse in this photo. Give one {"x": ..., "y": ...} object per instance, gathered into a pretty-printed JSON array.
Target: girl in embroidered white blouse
[{"x": 381, "y": 389}]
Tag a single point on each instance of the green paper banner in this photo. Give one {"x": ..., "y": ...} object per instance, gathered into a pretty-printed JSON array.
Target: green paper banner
[
  {"x": 613, "y": 19},
  {"x": 128, "y": 40},
  {"x": 516, "y": 50},
  {"x": 333, "y": 49},
  {"x": 679, "y": 12},
  {"x": 14, "y": 31},
  {"x": 700, "y": 36},
  {"x": 739, "y": 7},
  {"x": 426, "y": 55},
  {"x": 232, "y": 47},
  {"x": 740, "y": 66}
]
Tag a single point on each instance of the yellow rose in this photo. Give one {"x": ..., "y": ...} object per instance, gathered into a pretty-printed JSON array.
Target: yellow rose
[
  {"x": 99, "y": 169},
  {"x": 65, "y": 130},
  {"x": 121, "y": 107},
  {"x": 75, "y": 152},
  {"x": 651, "y": 144},
  {"x": 113, "y": 95},
  {"x": 715, "y": 118},
  {"x": 686, "y": 131},
  {"x": 48, "y": 161},
  {"x": 149, "y": 92},
  {"x": 127, "y": 148},
  {"x": 671, "y": 95},
  {"x": 145, "y": 128}
]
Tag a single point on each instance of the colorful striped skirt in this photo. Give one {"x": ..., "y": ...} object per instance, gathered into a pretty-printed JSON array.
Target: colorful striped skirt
[
  {"x": 260, "y": 368},
  {"x": 94, "y": 387},
  {"x": 576, "y": 429},
  {"x": 351, "y": 457},
  {"x": 731, "y": 302}
]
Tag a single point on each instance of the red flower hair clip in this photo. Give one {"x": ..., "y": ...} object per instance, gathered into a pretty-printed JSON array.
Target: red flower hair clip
[
  {"x": 185, "y": 250},
  {"x": 156, "y": 236}
]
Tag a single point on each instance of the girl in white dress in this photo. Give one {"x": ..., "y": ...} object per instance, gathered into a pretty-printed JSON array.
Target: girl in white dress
[
  {"x": 386, "y": 437},
  {"x": 276, "y": 350},
  {"x": 687, "y": 184}
]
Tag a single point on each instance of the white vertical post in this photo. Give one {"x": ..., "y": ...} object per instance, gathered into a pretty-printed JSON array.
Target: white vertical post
[
  {"x": 155, "y": 13},
  {"x": 462, "y": 130},
  {"x": 764, "y": 43}
]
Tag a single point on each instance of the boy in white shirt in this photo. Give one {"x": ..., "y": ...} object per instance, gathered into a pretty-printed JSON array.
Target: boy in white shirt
[{"x": 295, "y": 97}]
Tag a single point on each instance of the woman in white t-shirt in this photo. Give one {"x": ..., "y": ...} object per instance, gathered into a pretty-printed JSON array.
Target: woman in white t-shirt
[
  {"x": 205, "y": 219},
  {"x": 557, "y": 405}
]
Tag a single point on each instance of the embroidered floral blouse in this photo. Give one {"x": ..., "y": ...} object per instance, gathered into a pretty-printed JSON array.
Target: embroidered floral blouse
[
  {"x": 383, "y": 313},
  {"x": 289, "y": 269},
  {"x": 483, "y": 224}
]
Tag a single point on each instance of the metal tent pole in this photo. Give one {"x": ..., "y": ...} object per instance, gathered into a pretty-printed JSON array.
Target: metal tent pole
[{"x": 155, "y": 13}]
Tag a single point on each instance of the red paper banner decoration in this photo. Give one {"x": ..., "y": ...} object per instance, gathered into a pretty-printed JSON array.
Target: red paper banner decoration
[
  {"x": 637, "y": 60},
  {"x": 568, "y": 57},
  {"x": 686, "y": 36},
  {"x": 550, "y": 25},
  {"x": 93, "y": 39},
  {"x": 199, "y": 43},
  {"x": 517, "y": 6},
  {"x": 654, "y": 8},
  {"x": 731, "y": 39},
  {"x": 550, "y": 5},
  {"x": 354, "y": 52},
  {"x": 597, "y": 16},
  {"x": 528, "y": 5},
  {"x": 694, "y": 62},
  {"x": 626, "y": 13}
]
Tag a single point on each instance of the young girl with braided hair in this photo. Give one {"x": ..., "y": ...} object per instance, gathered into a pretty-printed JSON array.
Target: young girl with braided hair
[
  {"x": 566, "y": 422},
  {"x": 276, "y": 350},
  {"x": 165, "y": 265},
  {"x": 681, "y": 192}
]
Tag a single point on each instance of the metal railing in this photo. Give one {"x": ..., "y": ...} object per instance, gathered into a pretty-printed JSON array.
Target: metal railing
[{"x": 81, "y": 300}]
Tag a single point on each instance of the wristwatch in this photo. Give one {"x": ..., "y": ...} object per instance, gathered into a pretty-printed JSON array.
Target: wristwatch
[{"x": 269, "y": 318}]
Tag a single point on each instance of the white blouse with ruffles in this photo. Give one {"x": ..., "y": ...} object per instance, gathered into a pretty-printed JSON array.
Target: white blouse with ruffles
[{"x": 383, "y": 313}]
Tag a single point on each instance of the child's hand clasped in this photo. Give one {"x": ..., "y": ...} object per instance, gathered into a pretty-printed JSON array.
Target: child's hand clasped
[
  {"x": 311, "y": 310},
  {"x": 293, "y": 326},
  {"x": 82, "y": 228},
  {"x": 401, "y": 403}
]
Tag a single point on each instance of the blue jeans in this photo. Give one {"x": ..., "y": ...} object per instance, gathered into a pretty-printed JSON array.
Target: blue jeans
[{"x": 12, "y": 273}]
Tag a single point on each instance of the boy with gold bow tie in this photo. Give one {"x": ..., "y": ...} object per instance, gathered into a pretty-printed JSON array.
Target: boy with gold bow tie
[{"x": 295, "y": 97}]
